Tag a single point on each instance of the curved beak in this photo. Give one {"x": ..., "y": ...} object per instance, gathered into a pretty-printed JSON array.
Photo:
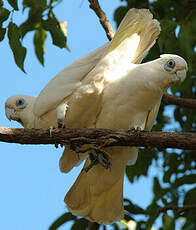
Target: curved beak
[
  {"x": 181, "y": 75},
  {"x": 10, "y": 113}
]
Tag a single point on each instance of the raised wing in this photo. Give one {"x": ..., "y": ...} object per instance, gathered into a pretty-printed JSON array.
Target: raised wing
[
  {"x": 135, "y": 36},
  {"x": 64, "y": 83}
]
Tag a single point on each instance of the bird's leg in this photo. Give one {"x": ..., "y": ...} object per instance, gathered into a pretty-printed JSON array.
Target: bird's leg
[
  {"x": 92, "y": 163},
  {"x": 135, "y": 130},
  {"x": 60, "y": 112},
  {"x": 98, "y": 156},
  {"x": 50, "y": 132}
]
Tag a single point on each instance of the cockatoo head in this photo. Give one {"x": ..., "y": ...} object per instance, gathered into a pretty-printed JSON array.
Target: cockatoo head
[
  {"x": 20, "y": 109},
  {"x": 174, "y": 69}
]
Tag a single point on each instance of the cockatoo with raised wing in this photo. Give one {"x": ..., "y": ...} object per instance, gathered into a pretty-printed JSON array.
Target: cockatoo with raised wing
[{"x": 108, "y": 88}]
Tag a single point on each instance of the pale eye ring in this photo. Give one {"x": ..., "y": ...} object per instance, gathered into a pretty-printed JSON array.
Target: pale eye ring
[
  {"x": 169, "y": 66},
  {"x": 20, "y": 103}
]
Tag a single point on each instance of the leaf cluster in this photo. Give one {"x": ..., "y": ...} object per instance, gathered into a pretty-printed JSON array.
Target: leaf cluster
[{"x": 41, "y": 20}]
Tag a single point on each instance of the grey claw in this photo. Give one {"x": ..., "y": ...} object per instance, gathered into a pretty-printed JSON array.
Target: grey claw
[
  {"x": 61, "y": 125},
  {"x": 134, "y": 129},
  {"x": 50, "y": 130},
  {"x": 98, "y": 157}
]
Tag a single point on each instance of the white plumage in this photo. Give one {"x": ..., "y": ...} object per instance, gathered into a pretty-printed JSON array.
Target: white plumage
[{"x": 107, "y": 88}]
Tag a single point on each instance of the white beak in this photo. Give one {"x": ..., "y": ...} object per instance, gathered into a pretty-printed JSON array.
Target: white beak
[
  {"x": 181, "y": 75},
  {"x": 10, "y": 114}
]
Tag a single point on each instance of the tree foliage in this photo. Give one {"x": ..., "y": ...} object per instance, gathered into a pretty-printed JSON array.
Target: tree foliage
[
  {"x": 175, "y": 184},
  {"x": 41, "y": 19},
  {"x": 177, "y": 19}
]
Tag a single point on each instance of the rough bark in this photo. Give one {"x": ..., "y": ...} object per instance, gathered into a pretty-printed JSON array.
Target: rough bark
[
  {"x": 99, "y": 137},
  {"x": 169, "y": 99},
  {"x": 94, "y": 5}
]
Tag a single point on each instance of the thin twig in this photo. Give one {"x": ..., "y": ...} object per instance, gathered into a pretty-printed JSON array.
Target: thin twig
[
  {"x": 94, "y": 5},
  {"x": 178, "y": 209},
  {"x": 169, "y": 99}
]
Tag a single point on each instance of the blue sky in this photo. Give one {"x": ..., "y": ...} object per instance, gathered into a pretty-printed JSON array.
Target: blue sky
[{"x": 32, "y": 187}]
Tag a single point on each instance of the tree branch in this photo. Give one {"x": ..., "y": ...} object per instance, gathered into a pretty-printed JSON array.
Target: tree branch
[
  {"x": 167, "y": 98},
  {"x": 94, "y": 5},
  {"x": 178, "y": 209},
  {"x": 99, "y": 137}
]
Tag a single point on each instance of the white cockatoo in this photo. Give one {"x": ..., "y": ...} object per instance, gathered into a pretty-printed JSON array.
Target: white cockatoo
[{"x": 107, "y": 88}]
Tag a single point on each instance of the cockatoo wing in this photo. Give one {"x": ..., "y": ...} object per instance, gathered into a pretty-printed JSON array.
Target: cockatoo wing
[
  {"x": 152, "y": 116},
  {"x": 64, "y": 83},
  {"x": 97, "y": 195},
  {"x": 135, "y": 36}
]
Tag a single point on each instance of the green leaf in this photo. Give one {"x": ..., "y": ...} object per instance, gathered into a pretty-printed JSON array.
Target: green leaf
[
  {"x": 167, "y": 39},
  {"x": 190, "y": 197},
  {"x": 14, "y": 4},
  {"x": 168, "y": 222},
  {"x": 132, "y": 208},
  {"x": 4, "y": 14},
  {"x": 119, "y": 14},
  {"x": 81, "y": 224},
  {"x": 39, "y": 44},
  {"x": 142, "y": 165},
  {"x": 153, "y": 212},
  {"x": 1, "y": 3},
  {"x": 14, "y": 41},
  {"x": 52, "y": 25},
  {"x": 2, "y": 33},
  {"x": 34, "y": 3},
  {"x": 62, "y": 220},
  {"x": 156, "y": 186},
  {"x": 186, "y": 40},
  {"x": 33, "y": 21},
  {"x": 115, "y": 227},
  {"x": 187, "y": 179}
]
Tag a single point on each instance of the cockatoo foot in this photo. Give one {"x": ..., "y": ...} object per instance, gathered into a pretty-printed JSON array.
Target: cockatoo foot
[
  {"x": 98, "y": 156},
  {"x": 57, "y": 145},
  {"x": 61, "y": 112},
  {"x": 61, "y": 125},
  {"x": 50, "y": 132},
  {"x": 134, "y": 129}
]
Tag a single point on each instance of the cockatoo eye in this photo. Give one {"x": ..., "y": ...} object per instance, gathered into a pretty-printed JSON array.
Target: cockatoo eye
[
  {"x": 20, "y": 103},
  {"x": 169, "y": 66}
]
